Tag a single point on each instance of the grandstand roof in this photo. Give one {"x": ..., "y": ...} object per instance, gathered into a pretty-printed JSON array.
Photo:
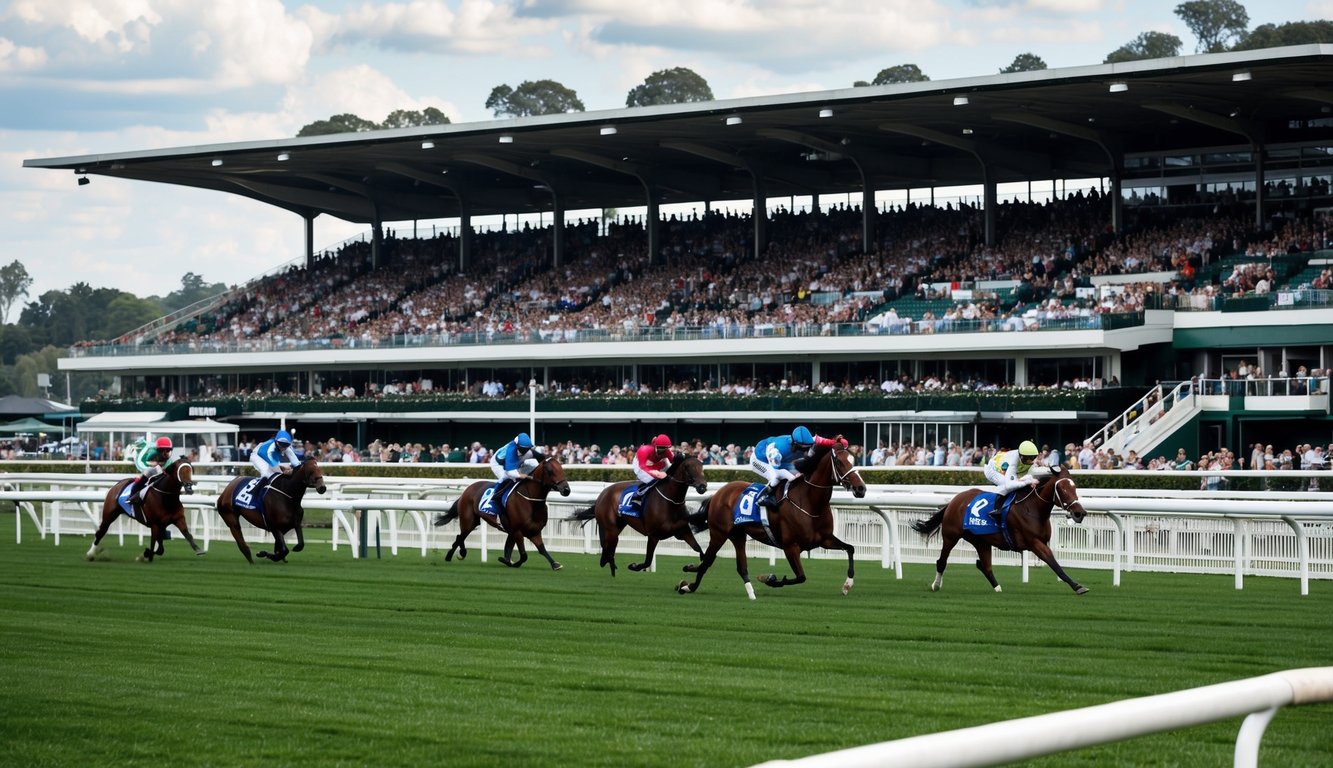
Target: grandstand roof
[{"x": 1042, "y": 125}]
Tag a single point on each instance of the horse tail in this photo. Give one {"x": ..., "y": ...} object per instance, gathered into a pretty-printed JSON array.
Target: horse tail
[
  {"x": 699, "y": 520},
  {"x": 449, "y": 516},
  {"x": 930, "y": 525},
  {"x": 584, "y": 515}
]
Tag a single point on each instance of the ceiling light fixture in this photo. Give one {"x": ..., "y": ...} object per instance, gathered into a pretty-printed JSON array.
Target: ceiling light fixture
[
  {"x": 1119, "y": 87},
  {"x": 607, "y": 130},
  {"x": 734, "y": 120},
  {"x": 960, "y": 101},
  {"x": 283, "y": 157},
  {"x": 826, "y": 112},
  {"x": 967, "y": 131},
  {"x": 217, "y": 162},
  {"x": 84, "y": 181},
  {"x": 506, "y": 139},
  {"x": 1241, "y": 76},
  {"x": 428, "y": 144}
]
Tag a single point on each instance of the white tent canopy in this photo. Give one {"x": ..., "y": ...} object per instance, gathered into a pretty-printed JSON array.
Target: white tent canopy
[{"x": 154, "y": 422}]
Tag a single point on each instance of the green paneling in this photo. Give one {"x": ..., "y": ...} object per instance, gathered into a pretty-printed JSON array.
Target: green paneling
[{"x": 1248, "y": 336}]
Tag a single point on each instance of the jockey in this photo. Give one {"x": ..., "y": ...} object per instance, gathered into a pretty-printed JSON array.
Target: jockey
[
  {"x": 773, "y": 458},
  {"x": 650, "y": 464},
  {"x": 274, "y": 456},
  {"x": 149, "y": 460},
  {"x": 1012, "y": 470},
  {"x": 510, "y": 463}
]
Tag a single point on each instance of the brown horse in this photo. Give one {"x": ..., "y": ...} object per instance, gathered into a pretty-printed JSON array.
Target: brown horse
[
  {"x": 524, "y": 513},
  {"x": 279, "y": 511},
  {"x": 663, "y": 516},
  {"x": 160, "y": 507},
  {"x": 803, "y": 520},
  {"x": 1029, "y": 523}
]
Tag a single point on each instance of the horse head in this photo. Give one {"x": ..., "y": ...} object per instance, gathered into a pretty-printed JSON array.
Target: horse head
[
  {"x": 844, "y": 472},
  {"x": 551, "y": 474},
  {"x": 688, "y": 470},
  {"x": 185, "y": 476},
  {"x": 1064, "y": 493},
  {"x": 311, "y": 475}
]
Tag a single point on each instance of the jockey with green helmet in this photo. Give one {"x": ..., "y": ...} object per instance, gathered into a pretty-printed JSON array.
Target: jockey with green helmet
[
  {"x": 774, "y": 456},
  {"x": 151, "y": 457},
  {"x": 1012, "y": 470}
]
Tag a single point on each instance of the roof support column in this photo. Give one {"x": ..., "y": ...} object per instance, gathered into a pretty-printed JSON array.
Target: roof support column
[
  {"x": 1117, "y": 203},
  {"x": 309, "y": 241},
  {"x": 1259, "y": 187},
  {"x": 650, "y": 220},
  {"x": 989, "y": 191},
  {"x": 376, "y": 242},
  {"x": 760, "y": 217},
  {"x": 557, "y": 230},
  {"x": 867, "y": 214},
  {"x": 464, "y": 236}
]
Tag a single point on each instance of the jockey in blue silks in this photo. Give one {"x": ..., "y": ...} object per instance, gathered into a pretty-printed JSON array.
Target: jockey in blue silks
[
  {"x": 274, "y": 456},
  {"x": 774, "y": 456},
  {"x": 514, "y": 461}
]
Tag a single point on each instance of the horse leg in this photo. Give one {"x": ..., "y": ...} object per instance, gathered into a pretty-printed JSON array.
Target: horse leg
[
  {"x": 154, "y": 541},
  {"x": 742, "y": 562},
  {"x": 793, "y": 553},
  {"x": 179, "y": 522},
  {"x": 108, "y": 514},
  {"x": 300, "y": 538},
  {"x": 234, "y": 525},
  {"x": 833, "y": 542},
  {"x": 647, "y": 556},
  {"x": 716, "y": 540},
  {"x": 511, "y": 540},
  {"x": 949, "y": 542},
  {"x": 610, "y": 539},
  {"x": 984, "y": 560},
  {"x": 467, "y": 523},
  {"x": 1043, "y": 550},
  {"x": 537, "y": 542}
]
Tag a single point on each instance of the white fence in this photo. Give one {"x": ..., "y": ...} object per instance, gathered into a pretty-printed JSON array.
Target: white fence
[
  {"x": 998, "y": 743},
  {"x": 1240, "y": 533}
]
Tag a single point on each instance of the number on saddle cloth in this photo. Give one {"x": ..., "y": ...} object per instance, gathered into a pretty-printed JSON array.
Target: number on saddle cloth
[
  {"x": 625, "y": 507},
  {"x": 247, "y": 497},
  {"x": 746, "y": 510},
  {"x": 123, "y": 499},
  {"x": 977, "y": 517},
  {"x": 489, "y": 504}
]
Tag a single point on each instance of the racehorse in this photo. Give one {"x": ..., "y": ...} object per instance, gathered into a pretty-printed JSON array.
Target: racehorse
[
  {"x": 524, "y": 512},
  {"x": 803, "y": 520},
  {"x": 663, "y": 516},
  {"x": 279, "y": 511},
  {"x": 1028, "y": 520},
  {"x": 161, "y": 507}
]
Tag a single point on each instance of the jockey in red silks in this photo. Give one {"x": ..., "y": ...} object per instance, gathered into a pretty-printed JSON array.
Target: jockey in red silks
[{"x": 650, "y": 465}]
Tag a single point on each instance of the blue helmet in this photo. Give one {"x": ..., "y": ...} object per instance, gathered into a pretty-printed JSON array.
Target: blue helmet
[
  {"x": 283, "y": 436},
  {"x": 802, "y": 436},
  {"x": 523, "y": 441}
]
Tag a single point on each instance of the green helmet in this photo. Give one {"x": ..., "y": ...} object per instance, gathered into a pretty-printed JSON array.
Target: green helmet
[{"x": 1027, "y": 448}]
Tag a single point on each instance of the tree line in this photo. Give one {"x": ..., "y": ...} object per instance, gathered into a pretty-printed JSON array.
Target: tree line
[
  {"x": 56, "y": 320},
  {"x": 1217, "y": 25}
]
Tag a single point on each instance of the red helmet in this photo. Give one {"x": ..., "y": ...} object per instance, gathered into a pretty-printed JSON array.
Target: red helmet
[
  {"x": 164, "y": 442},
  {"x": 662, "y": 441}
]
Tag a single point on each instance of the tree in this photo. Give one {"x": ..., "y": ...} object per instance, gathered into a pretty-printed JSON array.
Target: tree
[
  {"x": 1024, "y": 62},
  {"x": 14, "y": 282},
  {"x": 404, "y": 118},
  {"x": 1149, "y": 45},
  {"x": 1214, "y": 22},
  {"x": 193, "y": 289},
  {"x": 540, "y": 97},
  {"x": 669, "y": 86},
  {"x": 902, "y": 73},
  {"x": 344, "y": 123},
  {"x": 1291, "y": 33}
]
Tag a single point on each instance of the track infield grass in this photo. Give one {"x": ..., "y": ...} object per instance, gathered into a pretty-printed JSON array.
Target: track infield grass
[{"x": 413, "y": 661}]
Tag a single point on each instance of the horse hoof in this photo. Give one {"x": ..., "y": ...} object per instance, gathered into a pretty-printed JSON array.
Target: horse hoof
[
  {"x": 636, "y": 567},
  {"x": 199, "y": 553},
  {"x": 998, "y": 588},
  {"x": 683, "y": 588},
  {"x": 556, "y": 566},
  {"x": 771, "y": 579},
  {"x": 140, "y": 559},
  {"x": 690, "y": 568},
  {"x": 847, "y": 586},
  {"x": 298, "y": 547},
  {"x": 1080, "y": 590},
  {"x": 749, "y": 590},
  {"x": 505, "y": 561}
]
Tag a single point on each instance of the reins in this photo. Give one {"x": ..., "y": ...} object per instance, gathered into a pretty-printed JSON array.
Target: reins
[{"x": 840, "y": 482}]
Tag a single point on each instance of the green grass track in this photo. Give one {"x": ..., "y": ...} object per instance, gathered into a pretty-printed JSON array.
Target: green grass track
[{"x": 329, "y": 661}]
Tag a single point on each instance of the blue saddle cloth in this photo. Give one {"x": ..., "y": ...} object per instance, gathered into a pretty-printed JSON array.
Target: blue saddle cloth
[
  {"x": 487, "y": 505},
  {"x": 247, "y": 498},
  {"x": 745, "y": 510},
  {"x": 977, "y": 518},
  {"x": 625, "y": 508},
  {"x": 124, "y": 500}
]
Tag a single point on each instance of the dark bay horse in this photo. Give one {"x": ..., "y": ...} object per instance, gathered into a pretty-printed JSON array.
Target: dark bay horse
[
  {"x": 1029, "y": 522},
  {"x": 664, "y": 515},
  {"x": 803, "y": 521},
  {"x": 279, "y": 512},
  {"x": 524, "y": 513},
  {"x": 161, "y": 507}
]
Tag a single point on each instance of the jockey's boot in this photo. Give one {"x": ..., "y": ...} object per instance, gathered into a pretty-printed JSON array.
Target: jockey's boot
[
  {"x": 768, "y": 498},
  {"x": 636, "y": 501}
]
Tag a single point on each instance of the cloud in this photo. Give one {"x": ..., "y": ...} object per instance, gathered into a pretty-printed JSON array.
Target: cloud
[
  {"x": 432, "y": 26},
  {"x": 20, "y": 58}
]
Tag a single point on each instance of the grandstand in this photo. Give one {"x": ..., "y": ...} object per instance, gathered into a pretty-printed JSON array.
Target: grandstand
[{"x": 1002, "y": 319}]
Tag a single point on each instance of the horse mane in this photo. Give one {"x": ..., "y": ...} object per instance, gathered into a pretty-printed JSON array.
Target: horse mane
[{"x": 811, "y": 459}]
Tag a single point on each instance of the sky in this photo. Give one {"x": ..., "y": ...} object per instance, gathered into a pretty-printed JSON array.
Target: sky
[{"x": 100, "y": 76}]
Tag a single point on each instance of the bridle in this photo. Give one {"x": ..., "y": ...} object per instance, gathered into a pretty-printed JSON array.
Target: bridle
[
  {"x": 545, "y": 481},
  {"x": 1059, "y": 501},
  {"x": 683, "y": 481},
  {"x": 840, "y": 479}
]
